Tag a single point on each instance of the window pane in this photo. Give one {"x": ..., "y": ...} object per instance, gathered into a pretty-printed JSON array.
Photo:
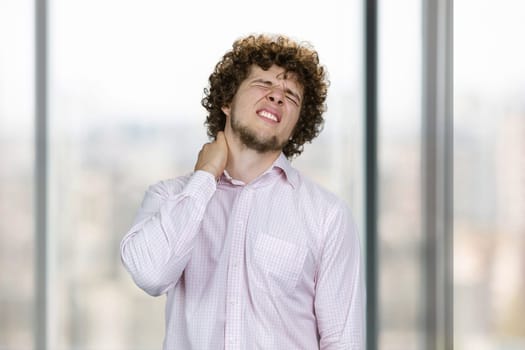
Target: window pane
[
  {"x": 489, "y": 175},
  {"x": 126, "y": 81},
  {"x": 401, "y": 284},
  {"x": 16, "y": 175}
]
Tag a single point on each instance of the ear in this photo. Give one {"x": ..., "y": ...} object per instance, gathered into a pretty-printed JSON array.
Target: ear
[{"x": 226, "y": 110}]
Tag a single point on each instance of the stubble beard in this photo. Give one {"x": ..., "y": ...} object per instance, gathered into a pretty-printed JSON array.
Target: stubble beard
[{"x": 250, "y": 139}]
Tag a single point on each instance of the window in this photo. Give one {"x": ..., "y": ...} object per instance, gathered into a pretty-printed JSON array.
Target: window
[
  {"x": 16, "y": 175},
  {"x": 125, "y": 80},
  {"x": 489, "y": 172},
  {"x": 124, "y": 113},
  {"x": 400, "y": 237}
]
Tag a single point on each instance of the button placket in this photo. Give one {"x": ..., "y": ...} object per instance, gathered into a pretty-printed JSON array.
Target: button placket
[{"x": 234, "y": 324}]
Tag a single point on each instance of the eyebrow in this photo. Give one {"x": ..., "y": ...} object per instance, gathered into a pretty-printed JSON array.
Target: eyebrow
[{"x": 269, "y": 84}]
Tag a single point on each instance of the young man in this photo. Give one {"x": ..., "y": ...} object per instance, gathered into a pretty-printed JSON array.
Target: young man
[{"x": 251, "y": 254}]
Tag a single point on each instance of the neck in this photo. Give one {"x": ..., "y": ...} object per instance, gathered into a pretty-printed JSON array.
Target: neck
[{"x": 246, "y": 164}]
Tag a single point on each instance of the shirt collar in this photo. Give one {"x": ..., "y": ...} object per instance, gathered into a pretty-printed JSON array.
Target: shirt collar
[
  {"x": 281, "y": 164},
  {"x": 290, "y": 172}
]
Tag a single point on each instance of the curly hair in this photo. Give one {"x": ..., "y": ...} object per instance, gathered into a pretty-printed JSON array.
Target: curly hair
[{"x": 265, "y": 51}]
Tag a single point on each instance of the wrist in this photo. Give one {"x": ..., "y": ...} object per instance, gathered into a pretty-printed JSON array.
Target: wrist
[{"x": 210, "y": 169}]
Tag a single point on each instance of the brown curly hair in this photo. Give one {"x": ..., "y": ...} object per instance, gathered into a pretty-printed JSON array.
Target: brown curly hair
[{"x": 265, "y": 51}]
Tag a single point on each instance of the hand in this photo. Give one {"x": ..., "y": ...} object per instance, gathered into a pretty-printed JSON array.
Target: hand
[{"x": 213, "y": 156}]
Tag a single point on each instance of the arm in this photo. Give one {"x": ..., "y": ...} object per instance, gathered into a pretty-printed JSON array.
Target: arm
[
  {"x": 158, "y": 247},
  {"x": 340, "y": 291}
]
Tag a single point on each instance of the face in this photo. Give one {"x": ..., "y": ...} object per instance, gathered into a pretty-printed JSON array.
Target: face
[{"x": 265, "y": 109}]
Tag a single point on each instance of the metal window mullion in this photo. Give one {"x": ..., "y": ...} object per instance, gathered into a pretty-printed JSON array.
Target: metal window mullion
[
  {"x": 40, "y": 173},
  {"x": 437, "y": 172},
  {"x": 370, "y": 47}
]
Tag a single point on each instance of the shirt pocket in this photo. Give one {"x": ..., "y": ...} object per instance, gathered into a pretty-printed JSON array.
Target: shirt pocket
[{"x": 278, "y": 264}]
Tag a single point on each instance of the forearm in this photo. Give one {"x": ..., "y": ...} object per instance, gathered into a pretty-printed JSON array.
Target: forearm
[{"x": 344, "y": 326}]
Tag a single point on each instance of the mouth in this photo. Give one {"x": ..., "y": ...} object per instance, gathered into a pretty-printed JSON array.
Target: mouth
[{"x": 271, "y": 116}]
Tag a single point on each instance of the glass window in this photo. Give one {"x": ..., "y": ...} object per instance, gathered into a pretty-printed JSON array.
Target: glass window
[
  {"x": 16, "y": 175},
  {"x": 400, "y": 240},
  {"x": 489, "y": 175},
  {"x": 126, "y": 80}
]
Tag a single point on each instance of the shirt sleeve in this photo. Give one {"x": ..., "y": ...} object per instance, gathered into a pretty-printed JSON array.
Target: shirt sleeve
[
  {"x": 157, "y": 248},
  {"x": 340, "y": 291}
]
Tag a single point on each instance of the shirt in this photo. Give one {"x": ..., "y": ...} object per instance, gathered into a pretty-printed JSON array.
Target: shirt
[{"x": 273, "y": 264}]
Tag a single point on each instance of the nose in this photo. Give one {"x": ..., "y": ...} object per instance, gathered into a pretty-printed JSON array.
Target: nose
[{"x": 276, "y": 95}]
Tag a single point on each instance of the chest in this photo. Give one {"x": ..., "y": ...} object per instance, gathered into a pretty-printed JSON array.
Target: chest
[{"x": 272, "y": 238}]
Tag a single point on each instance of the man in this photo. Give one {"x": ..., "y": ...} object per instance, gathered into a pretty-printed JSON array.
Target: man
[{"x": 251, "y": 254}]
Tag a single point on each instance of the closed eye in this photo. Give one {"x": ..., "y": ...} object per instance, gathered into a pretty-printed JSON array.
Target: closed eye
[
  {"x": 262, "y": 83},
  {"x": 292, "y": 99},
  {"x": 290, "y": 95}
]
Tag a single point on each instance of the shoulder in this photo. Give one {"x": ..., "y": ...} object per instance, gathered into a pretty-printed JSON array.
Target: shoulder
[
  {"x": 169, "y": 187},
  {"x": 305, "y": 187},
  {"x": 327, "y": 215},
  {"x": 325, "y": 211},
  {"x": 319, "y": 197}
]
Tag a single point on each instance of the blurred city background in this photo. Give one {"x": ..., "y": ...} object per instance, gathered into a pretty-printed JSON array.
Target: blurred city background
[{"x": 125, "y": 80}]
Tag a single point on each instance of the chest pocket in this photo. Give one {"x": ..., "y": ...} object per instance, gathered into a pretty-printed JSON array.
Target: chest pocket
[{"x": 278, "y": 265}]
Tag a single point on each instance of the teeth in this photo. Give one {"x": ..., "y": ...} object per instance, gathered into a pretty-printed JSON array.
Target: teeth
[{"x": 268, "y": 115}]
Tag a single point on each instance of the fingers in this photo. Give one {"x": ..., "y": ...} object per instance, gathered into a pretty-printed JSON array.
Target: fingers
[
  {"x": 213, "y": 156},
  {"x": 221, "y": 139}
]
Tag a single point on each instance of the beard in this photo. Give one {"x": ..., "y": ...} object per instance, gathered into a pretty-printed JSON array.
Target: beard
[{"x": 251, "y": 140}]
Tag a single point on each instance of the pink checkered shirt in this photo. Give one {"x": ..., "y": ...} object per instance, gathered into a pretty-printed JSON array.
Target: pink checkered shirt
[{"x": 274, "y": 264}]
